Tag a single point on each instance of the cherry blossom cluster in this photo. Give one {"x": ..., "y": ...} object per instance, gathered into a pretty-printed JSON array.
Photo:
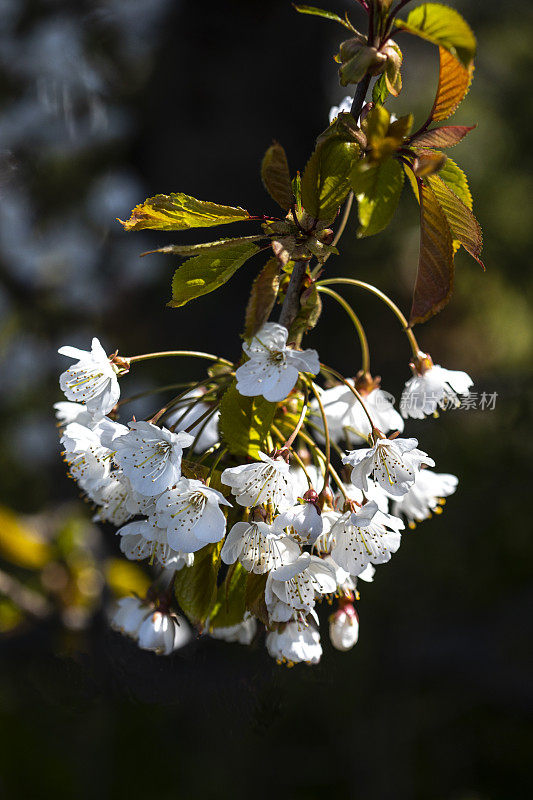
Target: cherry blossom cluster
[{"x": 300, "y": 530}]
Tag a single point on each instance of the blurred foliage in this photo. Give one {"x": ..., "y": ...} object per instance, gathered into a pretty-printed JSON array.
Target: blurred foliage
[{"x": 435, "y": 701}]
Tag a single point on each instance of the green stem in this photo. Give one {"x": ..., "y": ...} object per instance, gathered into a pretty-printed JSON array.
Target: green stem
[
  {"x": 316, "y": 393},
  {"x": 294, "y": 454},
  {"x": 300, "y": 422},
  {"x": 329, "y": 468},
  {"x": 215, "y": 464},
  {"x": 382, "y": 296},
  {"x": 324, "y": 368},
  {"x": 365, "y": 353},
  {"x": 171, "y": 353}
]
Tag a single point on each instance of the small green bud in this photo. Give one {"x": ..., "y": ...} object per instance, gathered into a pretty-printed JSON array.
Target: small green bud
[{"x": 358, "y": 59}]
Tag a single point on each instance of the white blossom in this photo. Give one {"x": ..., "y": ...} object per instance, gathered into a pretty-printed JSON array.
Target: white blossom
[
  {"x": 293, "y": 587},
  {"x": 111, "y": 498},
  {"x": 435, "y": 387},
  {"x": 266, "y": 481},
  {"x": 191, "y": 514},
  {"x": 373, "y": 492},
  {"x": 144, "y": 539},
  {"x": 294, "y": 643},
  {"x": 72, "y": 412},
  {"x": 300, "y": 481},
  {"x": 323, "y": 543},
  {"x": 344, "y": 107},
  {"x": 150, "y": 456},
  {"x": 91, "y": 380},
  {"x": 344, "y": 628},
  {"x": 163, "y": 633},
  {"x": 183, "y": 416},
  {"x": 273, "y": 368},
  {"x": 346, "y": 416},
  {"x": 128, "y": 615},
  {"x": 258, "y": 547},
  {"x": 426, "y": 495},
  {"x": 89, "y": 462},
  {"x": 365, "y": 537},
  {"x": 243, "y": 632},
  {"x": 392, "y": 463},
  {"x": 304, "y": 519}
]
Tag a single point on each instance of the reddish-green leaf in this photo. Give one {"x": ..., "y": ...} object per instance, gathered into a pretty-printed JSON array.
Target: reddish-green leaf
[
  {"x": 454, "y": 83},
  {"x": 276, "y": 176},
  {"x": 434, "y": 280},
  {"x": 179, "y": 212},
  {"x": 445, "y": 136},
  {"x": 262, "y": 298},
  {"x": 465, "y": 227}
]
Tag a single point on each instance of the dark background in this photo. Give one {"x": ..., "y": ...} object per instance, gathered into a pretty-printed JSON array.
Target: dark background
[{"x": 105, "y": 103}]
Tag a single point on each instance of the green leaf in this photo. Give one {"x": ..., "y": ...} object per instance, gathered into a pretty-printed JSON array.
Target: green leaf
[
  {"x": 455, "y": 179},
  {"x": 276, "y": 176},
  {"x": 445, "y": 136},
  {"x": 245, "y": 423},
  {"x": 434, "y": 279},
  {"x": 230, "y": 604},
  {"x": 319, "y": 12},
  {"x": 255, "y": 597},
  {"x": 325, "y": 182},
  {"x": 179, "y": 212},
  {"x": 205, "y": 247},
  {"x": 464, "y": 226},
  {"x": 196, "y": 587},
  {"x": 262, "y": 298},
  {"x": 378, "y": 189},
  {"x": 442, "y": 26},
  {"x": 380, "y": 91},
  {"x": 205, "y": 273}
]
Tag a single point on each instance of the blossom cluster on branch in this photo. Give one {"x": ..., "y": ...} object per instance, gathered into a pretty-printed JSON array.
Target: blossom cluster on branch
[{"x": 275, "y": 482}]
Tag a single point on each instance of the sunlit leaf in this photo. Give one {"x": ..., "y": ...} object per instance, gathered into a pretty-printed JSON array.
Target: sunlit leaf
[
  {"x": 378, "y": 189},
  {"x": 245, "y": 423},
  {"x": 187, "y": 250},
  {"x": 262, "y": 297},
  {"x": 454, "y": 83},
  {"x": 276, "y": 176},
  {"x": 320, "y": 12},
  {"x": 205, "y": 273},
  {"x": 325, "y": 182},
  {"x": 196, "y": 587},
  {"x": 179, "y": 212},
  {"x": 442, "y": 26},
  {"x": 434, "y": 280},
  {"x": 445, "y": 136},
  {"x": 464, "y": 226},
  {"x": 454, "y": 177}
]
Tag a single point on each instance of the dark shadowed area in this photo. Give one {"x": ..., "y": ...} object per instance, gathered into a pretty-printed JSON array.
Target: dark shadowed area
[{"x": 104, "y": 103}]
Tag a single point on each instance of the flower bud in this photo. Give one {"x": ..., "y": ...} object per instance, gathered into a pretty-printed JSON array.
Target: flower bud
[
  {"x": 162, "y": 634},
  {"x": 344, "y": 627},
  {"x": 358, "y": 59}
]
